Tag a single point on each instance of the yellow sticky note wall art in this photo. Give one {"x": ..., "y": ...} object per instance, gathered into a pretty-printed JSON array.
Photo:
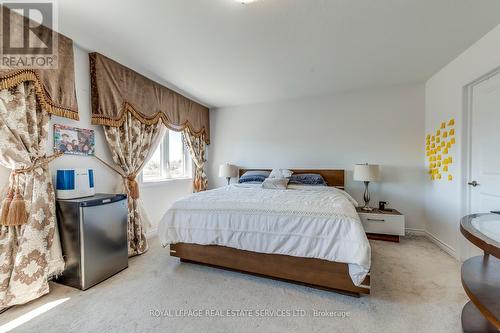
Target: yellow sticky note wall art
[{"x": 439, "y": 148}]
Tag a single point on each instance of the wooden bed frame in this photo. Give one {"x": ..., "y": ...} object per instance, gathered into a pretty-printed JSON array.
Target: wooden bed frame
[{"x": 316, "y": 273}]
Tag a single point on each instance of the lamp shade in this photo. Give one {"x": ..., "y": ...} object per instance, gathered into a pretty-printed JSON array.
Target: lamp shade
[
  {"x": 228, "y": 170},
  {"x": 366, "y": 172}
]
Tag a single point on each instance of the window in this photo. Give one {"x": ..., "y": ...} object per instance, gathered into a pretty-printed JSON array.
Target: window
[{"x": 171, "y": 160}]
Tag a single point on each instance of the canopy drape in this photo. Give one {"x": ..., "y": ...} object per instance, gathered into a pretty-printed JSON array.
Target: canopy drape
[{"x": 117, "y": 90}]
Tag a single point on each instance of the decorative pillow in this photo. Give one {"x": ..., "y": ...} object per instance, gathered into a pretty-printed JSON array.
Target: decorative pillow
[
  {"x": 275, "y": 183},
  {"x": 280, "y": 173},
  {"x": 254, "y": 176},
  {"x": 307, "y": 179}
]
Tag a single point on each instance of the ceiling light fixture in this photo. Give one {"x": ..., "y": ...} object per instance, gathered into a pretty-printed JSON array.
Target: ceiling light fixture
[{"x": 244, "y": 2}]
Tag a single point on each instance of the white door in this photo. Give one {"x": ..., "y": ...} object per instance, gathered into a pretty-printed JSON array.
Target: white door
[{"x": 484, "y": 181}]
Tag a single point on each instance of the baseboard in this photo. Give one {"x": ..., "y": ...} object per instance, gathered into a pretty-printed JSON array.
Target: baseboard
[
  {"x": 414, "y": 232},
  {"x": 442, "y": 245}
]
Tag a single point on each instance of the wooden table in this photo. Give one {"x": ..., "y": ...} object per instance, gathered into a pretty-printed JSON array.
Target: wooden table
[{"x": 481, "y": 275}]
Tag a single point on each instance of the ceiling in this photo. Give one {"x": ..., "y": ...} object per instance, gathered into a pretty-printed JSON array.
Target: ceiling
[{"x": 223, "y": 53}]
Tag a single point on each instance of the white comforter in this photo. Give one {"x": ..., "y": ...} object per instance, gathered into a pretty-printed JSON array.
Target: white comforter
[{"x": 302, "y": 221}]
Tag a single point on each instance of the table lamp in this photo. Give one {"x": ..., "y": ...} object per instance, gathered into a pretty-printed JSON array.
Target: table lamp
[
  {"x": 366, "y": 173},
  {"x": 228, "y": 170}
]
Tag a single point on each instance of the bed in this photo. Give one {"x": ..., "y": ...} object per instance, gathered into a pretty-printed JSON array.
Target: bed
[{"x": 309, "y": 235}]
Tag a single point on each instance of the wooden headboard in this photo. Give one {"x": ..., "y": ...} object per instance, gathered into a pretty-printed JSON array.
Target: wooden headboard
[{"x": 332, "y": 177}]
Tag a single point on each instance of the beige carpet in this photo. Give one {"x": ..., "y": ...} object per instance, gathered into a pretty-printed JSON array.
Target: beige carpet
[{"x": 415, "y": 288}]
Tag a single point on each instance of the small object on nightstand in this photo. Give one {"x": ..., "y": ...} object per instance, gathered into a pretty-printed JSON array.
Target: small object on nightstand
[
  {"x": 366, "y": 173},
  {"x": 381, "y": 205},
  {"x": 228, "y": 171},
  {"x": 386, "y": 224}
]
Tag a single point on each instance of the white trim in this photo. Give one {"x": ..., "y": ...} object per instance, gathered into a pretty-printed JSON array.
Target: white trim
[
  {"x": 414, "y": 232},
  {"x": 442, "y": 245},
  {"x": 433, "y": 239},
  {"x": 163, "y": 181},
  {"x": 465, "y": 194}
]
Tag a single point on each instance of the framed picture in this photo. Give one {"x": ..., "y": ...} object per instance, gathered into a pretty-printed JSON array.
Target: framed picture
[{"x": 74, "y": 141}]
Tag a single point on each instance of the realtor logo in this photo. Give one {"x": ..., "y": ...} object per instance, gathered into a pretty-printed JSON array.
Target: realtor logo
[{"x": 28, "y": 39}]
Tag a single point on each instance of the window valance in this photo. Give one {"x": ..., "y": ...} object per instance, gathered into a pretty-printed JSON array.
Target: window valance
[
  {"x": 55, "y": 87},
  {"x": 117, "y": 90}
]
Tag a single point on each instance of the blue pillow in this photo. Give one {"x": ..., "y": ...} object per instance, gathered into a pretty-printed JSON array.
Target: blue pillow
[
  {"x": 254, "y": 176},
  {"x": 307, "y": 179}
]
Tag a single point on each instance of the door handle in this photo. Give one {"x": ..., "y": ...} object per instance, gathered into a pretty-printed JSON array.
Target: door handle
[{"x": 473, "y": 183}]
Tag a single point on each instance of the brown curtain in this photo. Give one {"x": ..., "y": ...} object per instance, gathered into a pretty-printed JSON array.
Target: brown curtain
[
  {"x": 197, "y": 148},
  {"x": 131, "y": 144},
  {"x": 55, "y": 87},
  {"x": 29, "y": 253},
  {"x": 117, "y": 90}
]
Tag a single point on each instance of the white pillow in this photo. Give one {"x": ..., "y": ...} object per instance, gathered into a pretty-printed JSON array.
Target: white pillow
[
  {"x": 281, "y": 173},
  {"x": 275, "y": 183}
]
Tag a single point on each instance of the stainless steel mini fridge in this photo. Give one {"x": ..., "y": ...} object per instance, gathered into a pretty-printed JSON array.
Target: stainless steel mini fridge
[{"x": 93, "y": 234}]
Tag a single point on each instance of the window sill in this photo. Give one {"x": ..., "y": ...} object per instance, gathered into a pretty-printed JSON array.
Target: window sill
[{"x": 161, "y": 182}]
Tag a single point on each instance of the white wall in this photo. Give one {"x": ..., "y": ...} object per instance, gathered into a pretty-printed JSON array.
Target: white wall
[
  {"x": 383, "y": 126},
  {"x": 444, "y": 100},
  {"x": 157, "y": 198}
]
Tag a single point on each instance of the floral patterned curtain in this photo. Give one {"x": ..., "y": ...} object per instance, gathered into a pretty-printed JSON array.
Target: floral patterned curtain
[
  {"x": 131, "y": 145},
  {"x": 197, "y": 148},
  {"x": 30, "y": 253}
]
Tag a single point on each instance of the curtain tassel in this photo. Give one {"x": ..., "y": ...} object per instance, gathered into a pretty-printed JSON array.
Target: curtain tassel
[
  {"x": 6, "y": 207},
  {"x": 133, "y": 187},
  {"x": 17, "y": 214}
]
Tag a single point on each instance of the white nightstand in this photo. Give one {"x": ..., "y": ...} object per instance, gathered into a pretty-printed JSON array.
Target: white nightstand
[{"x": 382, "y": 224}]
